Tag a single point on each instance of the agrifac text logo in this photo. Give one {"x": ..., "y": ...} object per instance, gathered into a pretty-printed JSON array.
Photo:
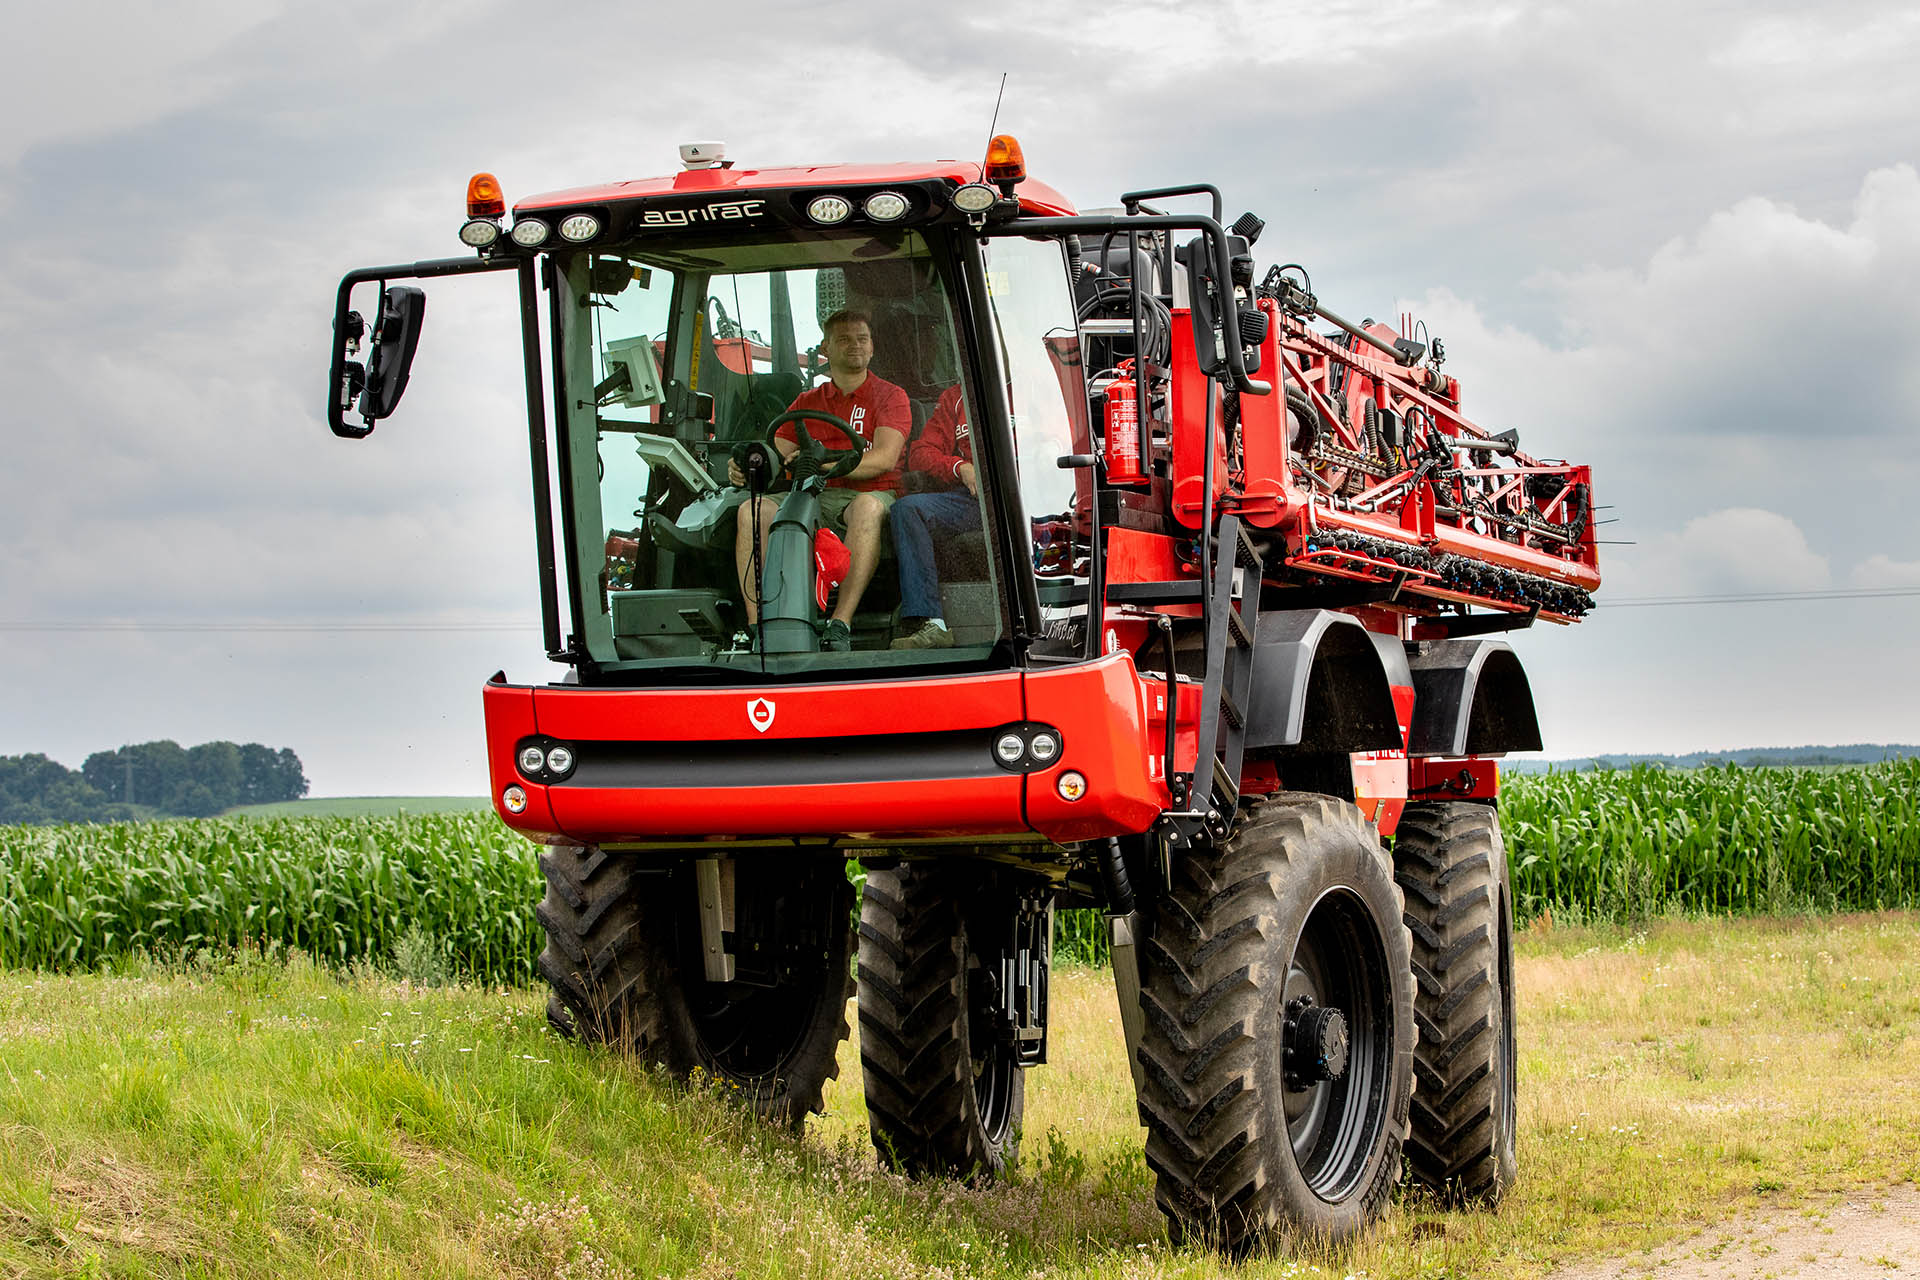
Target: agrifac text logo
[
  {"x": 760, "y": 713},
  {"x": 722, "y": 211}
]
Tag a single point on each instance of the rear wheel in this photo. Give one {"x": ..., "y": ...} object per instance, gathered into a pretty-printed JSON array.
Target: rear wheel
[
  {"x": 944, "y": 1092},
  {"x": 623, "y": 959},
  {"x": 1277, "y": 1056},
  {"x": 1451, "y": 862}
]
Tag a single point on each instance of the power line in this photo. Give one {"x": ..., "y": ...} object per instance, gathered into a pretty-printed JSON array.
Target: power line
[{"x": 1761, "y": 597}]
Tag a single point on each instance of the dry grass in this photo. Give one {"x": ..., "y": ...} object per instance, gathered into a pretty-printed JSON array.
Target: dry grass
[{"x": 269, "y": 1120}]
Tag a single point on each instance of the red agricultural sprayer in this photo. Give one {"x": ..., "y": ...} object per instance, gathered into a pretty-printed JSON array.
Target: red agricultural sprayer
[{"x": 1032, "y": 558}]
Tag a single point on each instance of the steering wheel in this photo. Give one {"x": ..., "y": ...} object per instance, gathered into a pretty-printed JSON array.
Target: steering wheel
[{"x": 834, "y": 463}]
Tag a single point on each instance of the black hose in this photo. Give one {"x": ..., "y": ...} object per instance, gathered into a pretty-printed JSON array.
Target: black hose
[{"x": 1113, "y": 871}]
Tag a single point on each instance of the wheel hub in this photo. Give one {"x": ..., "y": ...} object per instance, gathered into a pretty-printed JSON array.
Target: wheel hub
[{"x": 1313, "y": 1044}]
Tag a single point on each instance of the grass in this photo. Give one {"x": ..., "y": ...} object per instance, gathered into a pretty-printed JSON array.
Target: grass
[{"x": 256, "y": 1117}]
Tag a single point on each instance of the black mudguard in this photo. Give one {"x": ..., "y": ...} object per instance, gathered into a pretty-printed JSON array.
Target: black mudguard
[
  {"x": 1471, "y": 698},
  {"x": 1320, "y": 684}
]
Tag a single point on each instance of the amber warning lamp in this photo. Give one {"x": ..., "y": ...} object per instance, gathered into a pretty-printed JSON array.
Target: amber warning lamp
[
  {"x": 1005, "y": 163},
  {"x": 483, "y": 197}
]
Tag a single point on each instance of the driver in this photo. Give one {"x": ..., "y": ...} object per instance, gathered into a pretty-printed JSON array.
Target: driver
[{"x": 854, "y": 505}]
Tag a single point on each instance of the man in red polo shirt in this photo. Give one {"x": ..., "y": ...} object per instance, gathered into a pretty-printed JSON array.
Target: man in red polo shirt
[{"x": 855, "y": 505}]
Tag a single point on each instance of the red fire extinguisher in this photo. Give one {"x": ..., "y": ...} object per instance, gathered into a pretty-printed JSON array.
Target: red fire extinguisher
[{"x": 1123, "y": 429}]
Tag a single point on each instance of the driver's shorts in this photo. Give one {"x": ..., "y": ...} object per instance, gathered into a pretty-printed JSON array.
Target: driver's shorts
[{"x": 834, "y": 504}]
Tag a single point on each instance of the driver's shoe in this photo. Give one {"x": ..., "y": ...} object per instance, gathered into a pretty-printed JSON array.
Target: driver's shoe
[
  {"x": 931, "y": 634},
  {"x": 836, "y": 637}
]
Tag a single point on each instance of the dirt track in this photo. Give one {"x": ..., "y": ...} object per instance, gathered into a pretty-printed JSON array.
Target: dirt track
[{"x": 1866, "y": 1234}]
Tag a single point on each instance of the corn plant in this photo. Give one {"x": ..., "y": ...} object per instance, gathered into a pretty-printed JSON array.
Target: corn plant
[{"x": 1604, "y": 845}]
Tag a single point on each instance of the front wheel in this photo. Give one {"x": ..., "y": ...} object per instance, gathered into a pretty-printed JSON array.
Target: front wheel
[
  {"x": 1277, "y": 1056},
  {"x": 623, "y": 959},
  {"x": 945, "y": 1091}
]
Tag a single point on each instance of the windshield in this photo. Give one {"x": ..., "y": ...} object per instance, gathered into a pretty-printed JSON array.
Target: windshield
[{"x": 679, "y": 358}]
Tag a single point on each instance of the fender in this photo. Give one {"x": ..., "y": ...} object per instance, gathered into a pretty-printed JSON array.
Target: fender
[
  {"x": 1319, "y": 685},
  {"x": 1471, "y": 698}
]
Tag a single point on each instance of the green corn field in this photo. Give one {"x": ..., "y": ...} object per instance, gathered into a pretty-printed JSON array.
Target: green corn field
[{"x": 1583, "y": 846}]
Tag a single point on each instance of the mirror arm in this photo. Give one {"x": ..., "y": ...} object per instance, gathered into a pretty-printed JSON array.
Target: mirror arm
[{"x": 344, "y": 327}]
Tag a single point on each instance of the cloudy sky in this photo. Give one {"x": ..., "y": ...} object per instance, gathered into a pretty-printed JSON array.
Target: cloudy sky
[{"x": 1680, "y": 242}]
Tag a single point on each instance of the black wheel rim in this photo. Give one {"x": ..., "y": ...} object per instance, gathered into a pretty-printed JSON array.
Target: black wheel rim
[
  {"x": 748, "y": 1032},
  {"x": 1340, "y": 962},
  {"x": 991, "y": 1057},
  {"x": 752, "y": 1032}
]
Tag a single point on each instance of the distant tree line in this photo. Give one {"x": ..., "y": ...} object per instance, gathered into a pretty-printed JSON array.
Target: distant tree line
[
  {"x": 152, "y": 778},
  {"x": 1746, "y": 758}
]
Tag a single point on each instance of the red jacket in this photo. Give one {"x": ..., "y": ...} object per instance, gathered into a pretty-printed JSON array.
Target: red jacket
[{"x": 945, "y": 441}]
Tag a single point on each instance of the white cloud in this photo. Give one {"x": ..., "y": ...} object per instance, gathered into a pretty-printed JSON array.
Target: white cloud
[
  {"x": 1741, "y": 549},
  {"x": 1879, "y": 570}
]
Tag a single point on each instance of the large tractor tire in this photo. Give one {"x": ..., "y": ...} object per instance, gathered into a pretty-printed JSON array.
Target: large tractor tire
[
  {"x": 945, "y": 1095},
  {"x": 1278, "y": 1052},
  {"x": 1450, "y": 861},
  {"x": 624, "y": 962}
]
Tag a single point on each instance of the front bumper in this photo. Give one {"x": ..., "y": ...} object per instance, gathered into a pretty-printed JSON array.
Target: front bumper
[{"x": 848, "y": 763}]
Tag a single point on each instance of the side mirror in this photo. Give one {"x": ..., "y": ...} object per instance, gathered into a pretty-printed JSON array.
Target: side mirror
[
  {"x": 396, "y": 336},
  {"x": 1205, "y": 304}
]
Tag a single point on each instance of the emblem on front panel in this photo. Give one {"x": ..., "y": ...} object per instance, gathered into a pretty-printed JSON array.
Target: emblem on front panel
[{"x": 760, "y": 712}]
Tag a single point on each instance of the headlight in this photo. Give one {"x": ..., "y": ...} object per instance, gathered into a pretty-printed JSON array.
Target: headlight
[
  {"x": 1010, "y": 747},
  {"x": 560, "y": 760},
  {"x": 827, "y": 210},
  {"x": 532, "y": 760},
  {"x": 579, "y": 227},
  {"x": 975, "y": 197},
  {"x": 478, "y": 233},
  {"x": 529, "y": 232},
  {"x": 1045, "y": 747},
  {"x": 886, "y": 206}
]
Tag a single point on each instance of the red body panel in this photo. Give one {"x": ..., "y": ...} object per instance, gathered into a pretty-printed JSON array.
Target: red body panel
[
  {"x": 1443, "y": 778},
  {"x": 836, "y": 710},
  {"x": 509, "y": 712},
  {"x": 1380, "y": 778},
  {"x": 1035, "y": 197},
  {"x": 1191, "y": 389},
  {"x": 1098, "y": 707},
  {"x": 1101, "y": 711}
]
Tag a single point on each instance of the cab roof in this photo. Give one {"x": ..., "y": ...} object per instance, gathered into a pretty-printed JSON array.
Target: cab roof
[{"x": 1035, "y": 197}]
